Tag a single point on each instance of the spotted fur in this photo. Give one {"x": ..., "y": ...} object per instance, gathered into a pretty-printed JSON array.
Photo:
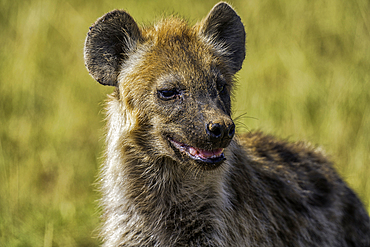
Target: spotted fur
[{"x": 175, "y": 176}]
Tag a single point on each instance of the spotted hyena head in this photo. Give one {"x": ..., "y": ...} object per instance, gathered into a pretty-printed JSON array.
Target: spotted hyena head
[{"x": 173, "y": 82}]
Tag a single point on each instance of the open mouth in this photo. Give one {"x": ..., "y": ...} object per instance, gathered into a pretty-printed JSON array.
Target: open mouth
[{"x": 215, "y": 156}]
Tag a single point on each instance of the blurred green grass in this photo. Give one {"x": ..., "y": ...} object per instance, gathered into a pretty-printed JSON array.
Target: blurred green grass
[{"x": 306, "y": 77}]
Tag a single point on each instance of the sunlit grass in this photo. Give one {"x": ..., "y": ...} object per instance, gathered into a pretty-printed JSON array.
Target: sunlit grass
[{"x": 306, "y": 77}]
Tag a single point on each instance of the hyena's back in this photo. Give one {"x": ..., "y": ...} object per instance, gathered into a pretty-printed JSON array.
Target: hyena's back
[{"x": 175, "y": 176}]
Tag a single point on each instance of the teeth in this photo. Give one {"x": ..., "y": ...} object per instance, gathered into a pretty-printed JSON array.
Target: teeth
[
  {"x": 197, "y": 152},
  {"x": 193, "y": 151}
]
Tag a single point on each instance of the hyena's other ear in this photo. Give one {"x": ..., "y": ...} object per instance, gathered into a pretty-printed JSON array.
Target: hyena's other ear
[
  {"x": 223, "y": 26},
  {"x": 107, "y": 44}
]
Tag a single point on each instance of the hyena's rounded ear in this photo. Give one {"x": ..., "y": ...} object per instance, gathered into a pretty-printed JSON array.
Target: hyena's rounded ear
[
  {"x": 223, "y": 27},
  {"x": 107, "y": 44}
]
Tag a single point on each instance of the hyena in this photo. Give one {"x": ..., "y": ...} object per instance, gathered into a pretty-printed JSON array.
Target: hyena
[{"x": 174, "y": 174}]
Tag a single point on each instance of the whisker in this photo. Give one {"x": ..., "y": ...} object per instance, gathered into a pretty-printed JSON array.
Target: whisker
[{"x": 244, "y": 116}]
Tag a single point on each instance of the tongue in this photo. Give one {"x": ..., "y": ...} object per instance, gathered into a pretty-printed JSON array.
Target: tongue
[{"x": 205, "y": 154}]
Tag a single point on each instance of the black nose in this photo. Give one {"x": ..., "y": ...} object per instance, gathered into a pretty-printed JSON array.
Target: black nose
[{"x": 218, "y": 131}]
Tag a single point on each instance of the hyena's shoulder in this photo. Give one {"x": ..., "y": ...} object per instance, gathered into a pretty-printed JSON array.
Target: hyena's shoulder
[
  {"x": 293, "y": 163},
  {"x": 301, "y": 181},
  {"x": 270, "y": 149}
]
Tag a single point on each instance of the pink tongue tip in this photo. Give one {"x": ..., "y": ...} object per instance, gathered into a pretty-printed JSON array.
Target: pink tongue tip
[
  {"x": 205, "y": 154},
  {"x": 197, "y": 152}
]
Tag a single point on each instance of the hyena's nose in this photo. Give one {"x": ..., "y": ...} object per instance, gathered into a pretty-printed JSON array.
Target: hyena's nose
[{"x": 218, "y": 131}]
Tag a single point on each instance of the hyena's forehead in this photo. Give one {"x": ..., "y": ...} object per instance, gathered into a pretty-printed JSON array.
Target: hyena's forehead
[
  {"x": 172, "y": 52},
  {"x": 177, "y": 47}
]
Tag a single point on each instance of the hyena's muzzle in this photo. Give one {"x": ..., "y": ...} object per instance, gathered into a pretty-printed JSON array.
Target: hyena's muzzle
[{"x": 204, "y": 138}]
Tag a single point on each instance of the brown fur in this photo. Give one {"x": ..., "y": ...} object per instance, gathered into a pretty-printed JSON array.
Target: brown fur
[{"x": 165, "y": 181}]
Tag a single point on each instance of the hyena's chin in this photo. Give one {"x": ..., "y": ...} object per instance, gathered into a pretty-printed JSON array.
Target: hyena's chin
[{"x": 206, "y": 159}]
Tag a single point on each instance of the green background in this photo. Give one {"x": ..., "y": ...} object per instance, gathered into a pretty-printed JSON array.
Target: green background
[{"x": 306, "y": 77}]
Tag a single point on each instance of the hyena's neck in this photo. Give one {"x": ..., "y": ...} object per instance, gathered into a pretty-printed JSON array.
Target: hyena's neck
[
  {"x": 148, "y": 201},
  {"x": 152, "y": 199}
]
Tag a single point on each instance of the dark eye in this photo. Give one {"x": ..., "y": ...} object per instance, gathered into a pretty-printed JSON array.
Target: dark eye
[
  {"x": 168, "y": 94},
  {"x": 221, "y": 87}
]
